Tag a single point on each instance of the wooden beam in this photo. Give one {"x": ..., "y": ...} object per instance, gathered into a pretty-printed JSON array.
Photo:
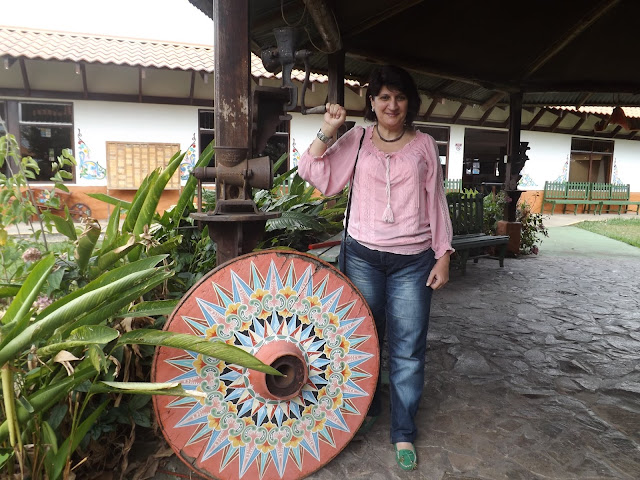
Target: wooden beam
[
  {"x": 537, "y": 117},
  {"x": 616, "y": 131},
  {"x": 555, "y": 124},
  {"x": 336, "y": 77},
  {"x": 140, "y": 70},
  {"x": 493, "y": 100},
  {"x": 85, "y": 87},
  {"x": 25, "y": 77},
  {"x": 7, "y": 62},
  {"x": 394, "y": 8},
  {"x": 430, "y": 110},
  {"x": 107, "y": 97},
  {"x": 457, "y": 115},
  {"x": 325, "y": 21},
  {"x": 419, "y": 66},
  {"x": 579, "y": 123},
  {"x": 192, "y": 88},
  {"x": 572, "y": 33},
  {"x": 582, "y": 100},
  {"x": 486, "y": 115},
  {"x": 631, "y": 135}
]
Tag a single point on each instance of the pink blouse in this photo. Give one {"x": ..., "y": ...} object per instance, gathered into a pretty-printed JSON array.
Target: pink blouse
[{"x": 399, "y": 204}]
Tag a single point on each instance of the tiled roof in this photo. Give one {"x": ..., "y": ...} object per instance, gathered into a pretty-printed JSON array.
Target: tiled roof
[
  {"x": 631, "y": 112},
  {"x": 80, "y": 47}
]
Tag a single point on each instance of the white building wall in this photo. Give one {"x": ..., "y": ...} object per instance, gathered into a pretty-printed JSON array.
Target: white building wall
[
  {"x": 456, "y": 152},
  {"x": 97, "y": 123},
  {"x": 626, "y": 163},
  {"x": 548, "y": 159}
]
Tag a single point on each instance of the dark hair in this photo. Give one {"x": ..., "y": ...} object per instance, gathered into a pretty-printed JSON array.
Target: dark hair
[{"x": 394, "y": 78}]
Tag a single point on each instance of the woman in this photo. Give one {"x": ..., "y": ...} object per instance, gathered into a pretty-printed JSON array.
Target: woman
[{"x": 399, "y": 233}]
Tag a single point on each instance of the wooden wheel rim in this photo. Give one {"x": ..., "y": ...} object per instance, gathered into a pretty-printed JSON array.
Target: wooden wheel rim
[{"x": 251, "y": 301}]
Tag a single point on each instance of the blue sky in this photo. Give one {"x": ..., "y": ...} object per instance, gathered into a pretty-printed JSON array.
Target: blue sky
[{"x": 175, "y": 20}]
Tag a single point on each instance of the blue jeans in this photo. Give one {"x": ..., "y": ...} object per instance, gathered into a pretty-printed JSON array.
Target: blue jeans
[{"x": 394, "y": 287}]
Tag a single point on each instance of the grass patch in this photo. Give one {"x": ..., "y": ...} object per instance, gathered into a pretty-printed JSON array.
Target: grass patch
[{"x": 621, "y": 229}]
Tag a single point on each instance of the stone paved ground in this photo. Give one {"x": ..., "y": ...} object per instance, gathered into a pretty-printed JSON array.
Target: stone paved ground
[{"x": 533, "y": 372}]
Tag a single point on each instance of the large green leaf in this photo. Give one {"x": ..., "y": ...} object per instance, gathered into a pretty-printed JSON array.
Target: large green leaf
[
  {"x": 104, "y": 279},
  {"x": 111, "y": 200},
  {"x": 120, "y": 249},
  {"x": 186, "y": 197},
  {"x": 112, "y": 233},
  {"x": 64, "y": 225},
  {"x": 81, "y": 337},
  {"x": 72, "y": 442},
  {"x": 9, "y": 289},
  {"x": 30, "y": 289},
  {"x": 42, "y": 329},
  {"x": 46, "y": 397},
  {"x": 216, "y": 349},
  {"x": 294, "y": 220},
  {"x": 86, "y": 243},
  {"x": 141, "y": 388},
  {"x": 138, "y": 201},
  {"x": 156, "y": 189},
  {"x": 147, "y": 309}
]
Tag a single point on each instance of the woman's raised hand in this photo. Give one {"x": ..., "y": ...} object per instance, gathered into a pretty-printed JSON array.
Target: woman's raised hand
[{"x": 334, "y": 117}]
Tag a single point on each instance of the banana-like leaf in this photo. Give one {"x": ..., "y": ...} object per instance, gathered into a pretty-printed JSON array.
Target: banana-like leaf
[
  {"x": 216, "y": 349},
  {"x": 9, "y": 290},
  {"x": 44, "y": 327},
  {"x": 166, "y": 247},
  {"x": 71, "y": 443},
  {"x": 104, "y": 279},
  {"x": 169, "y": 388},
  {"x": 294, "y": 220},
  {"x": 110, "y": 200},
  {"x": 64, "y": 225},
  {"x": 29, "y": 291},
  {"x": 6, "y": 455},
  {"x": 81, "y": 337},
  {"x": 148, "y": 309},
  {"x": 138, "y": 201},
  {"x": 45, "y": 398},
  {"x": 156, "y": 189},
  {"x": 106, "y": 259},
  {"x": 115, "y": 305},
  {"x": 85, "y": 244},
  {"x": 186, "y": 197},
  {"x": 112, "y": 233}
]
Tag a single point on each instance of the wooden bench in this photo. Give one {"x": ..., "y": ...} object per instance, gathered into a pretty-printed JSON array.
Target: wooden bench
[
  {"x": 588, "y": 195},
  {"x": 619, "y": 195},
  {"x": 568, "y": 193},
  {"x": 469, "y": 239}
]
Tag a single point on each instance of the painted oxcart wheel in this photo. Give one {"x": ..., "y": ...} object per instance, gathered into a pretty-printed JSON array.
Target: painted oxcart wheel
[{"x": 296, "y": 313}]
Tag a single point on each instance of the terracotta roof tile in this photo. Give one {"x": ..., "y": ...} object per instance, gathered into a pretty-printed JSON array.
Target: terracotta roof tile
[
  {"x": 80, "y": 47},
  {"x": 631, "y": 112}
]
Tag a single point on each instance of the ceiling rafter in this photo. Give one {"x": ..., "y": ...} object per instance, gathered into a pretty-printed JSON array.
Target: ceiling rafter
[
  {"x": 430, "y": 110},
  {"x": 85, "y": 87},
  {"x": 394, "y": 9},
  {"x": 582, "y": 24},
  {"x": 579, "y": 123},
  {"x": 25, "y": 77},
  {"x": 486, "y": 115},
  {"x": 460, "y": 111},
  {"x": 536, "y": 118}
]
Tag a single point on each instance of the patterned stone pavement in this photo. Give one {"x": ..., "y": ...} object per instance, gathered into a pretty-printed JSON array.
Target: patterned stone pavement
[{"x": 533, "y": 372}]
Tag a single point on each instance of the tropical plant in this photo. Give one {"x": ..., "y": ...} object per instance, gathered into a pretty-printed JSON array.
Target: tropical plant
[
  {"x": 494, "y": 206},
  {"x": 533, "y": 229},
  {"x": 60, "y": 362},
  {"x": 306, "y": 216}
]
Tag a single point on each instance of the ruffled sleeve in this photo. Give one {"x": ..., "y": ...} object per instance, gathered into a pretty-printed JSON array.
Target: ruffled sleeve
[{"x": 331, "y": 172}]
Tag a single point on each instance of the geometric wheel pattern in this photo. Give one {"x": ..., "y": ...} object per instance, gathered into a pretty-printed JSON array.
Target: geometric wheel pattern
[{"x": 251, "y": 301}]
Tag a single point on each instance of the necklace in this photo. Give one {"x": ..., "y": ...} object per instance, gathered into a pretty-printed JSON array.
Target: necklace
[{"x": 389, "y": 140}]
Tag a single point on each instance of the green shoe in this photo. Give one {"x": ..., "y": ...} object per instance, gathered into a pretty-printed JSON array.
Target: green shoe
[{"x": 406, "y": 459}]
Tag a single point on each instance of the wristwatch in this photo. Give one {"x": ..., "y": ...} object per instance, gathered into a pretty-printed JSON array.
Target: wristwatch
[{"x": 323, "y": 138}]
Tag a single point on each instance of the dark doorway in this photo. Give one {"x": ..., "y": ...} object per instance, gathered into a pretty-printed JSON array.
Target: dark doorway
[{"x": 484, "y": 150}]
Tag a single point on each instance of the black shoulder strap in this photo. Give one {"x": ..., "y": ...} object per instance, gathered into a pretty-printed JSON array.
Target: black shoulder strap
[{"x": 353, "y": 175}]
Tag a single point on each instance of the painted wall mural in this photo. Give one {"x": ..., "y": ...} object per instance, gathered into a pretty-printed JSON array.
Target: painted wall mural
[
  {"x": 615, "y": 177},
  {"x": 88, "y": 169},
  {"x": 189, "y": 161},
  {"x": 565, "y": 172},
  {"x": 295, "y": 154}
]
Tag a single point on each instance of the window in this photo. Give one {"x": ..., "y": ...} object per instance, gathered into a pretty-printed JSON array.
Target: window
[
  {"x": 205, "y": 127},
  {"x": 590, "y": 160},
  {"x": 3, "y": 118},
  {"x": 441, "y": 136},
  {"x": 45, "y": 129}
]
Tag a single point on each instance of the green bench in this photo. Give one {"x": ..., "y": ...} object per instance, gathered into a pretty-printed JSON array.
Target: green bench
[
  {"x": 619, "y": 195},
  {"x": 469, "y": 239},
  {"x": 587, "y": 194}
]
